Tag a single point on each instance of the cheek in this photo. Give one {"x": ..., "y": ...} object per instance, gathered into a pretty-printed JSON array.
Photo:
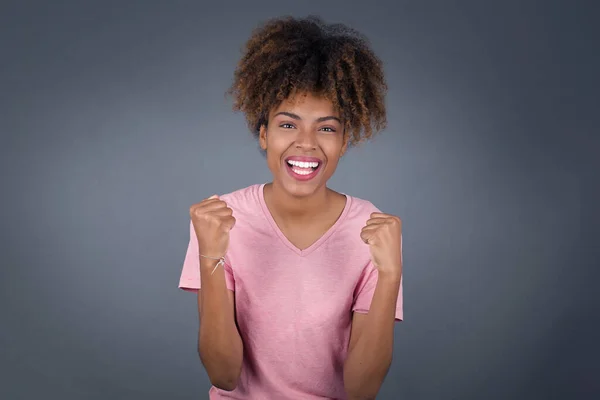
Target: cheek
[
  {"x": 277, "y": 144},
  {"x": 332, "y": 163},
  {"x": 333, "y": 151},
  {"x": 275, "y": 149},
  {"x": 272, "y": 160}
]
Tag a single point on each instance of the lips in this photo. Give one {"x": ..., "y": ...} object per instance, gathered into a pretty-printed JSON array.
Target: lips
[{"x": 303, "y": 168}]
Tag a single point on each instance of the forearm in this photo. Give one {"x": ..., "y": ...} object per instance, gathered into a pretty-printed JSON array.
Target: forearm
[
  {"x": 369, "y": 359},
  {"x": 219, "y": 342}
]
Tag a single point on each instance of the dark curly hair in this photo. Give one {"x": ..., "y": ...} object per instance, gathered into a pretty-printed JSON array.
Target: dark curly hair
[{"x": 289, "y": 55}]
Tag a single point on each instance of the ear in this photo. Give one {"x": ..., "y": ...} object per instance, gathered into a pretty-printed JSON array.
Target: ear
[{"x": 262, "y": 137}]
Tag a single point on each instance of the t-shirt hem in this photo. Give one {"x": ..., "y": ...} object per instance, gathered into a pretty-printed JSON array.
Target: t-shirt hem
[
  {"x": 192, "y": 286},
  {"x": 399, "y": 317}
]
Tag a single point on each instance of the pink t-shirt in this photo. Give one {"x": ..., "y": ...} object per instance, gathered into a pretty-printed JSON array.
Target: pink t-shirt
[{"x": 294, "y": 307}]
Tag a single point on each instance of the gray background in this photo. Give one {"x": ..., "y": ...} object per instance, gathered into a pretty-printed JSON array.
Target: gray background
[{"x": 114, "y": 121}]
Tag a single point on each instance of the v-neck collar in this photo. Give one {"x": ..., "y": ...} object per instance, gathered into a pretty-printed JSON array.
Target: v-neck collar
[{"x": 285, "y": 240}]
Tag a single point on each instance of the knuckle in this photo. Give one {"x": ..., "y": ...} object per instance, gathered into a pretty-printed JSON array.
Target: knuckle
[
  {"x": 195, "y": 214},
  {"x": 209, "y": 218}
]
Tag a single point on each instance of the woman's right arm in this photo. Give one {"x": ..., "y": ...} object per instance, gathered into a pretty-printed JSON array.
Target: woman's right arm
[{"x": 219, "y": 341}]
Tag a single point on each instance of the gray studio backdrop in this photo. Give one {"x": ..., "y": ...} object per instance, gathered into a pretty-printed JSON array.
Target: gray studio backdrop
[{"x": 114, "y": 121}]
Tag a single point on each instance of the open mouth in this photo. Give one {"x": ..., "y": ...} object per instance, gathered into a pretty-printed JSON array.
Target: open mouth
[{"x": 303, "y": 169}]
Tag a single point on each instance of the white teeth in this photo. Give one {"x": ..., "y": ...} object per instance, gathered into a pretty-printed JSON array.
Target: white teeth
[
  {"x": 303, "y": 164},
  {"x": 301, "y": 171}
]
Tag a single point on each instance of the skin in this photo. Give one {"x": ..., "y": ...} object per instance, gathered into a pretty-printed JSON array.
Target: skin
[
  {"x": 372, "y": 336},
  {"x": 303, "y": 125},
  {"x": 219, "y": 342}
]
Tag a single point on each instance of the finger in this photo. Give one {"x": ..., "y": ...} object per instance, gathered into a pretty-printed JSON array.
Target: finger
[
  {"x": 222, "y": 212},
  {"x": 216, "y": 206},
  {"x": 213, "y": 205},
  {"x": 369, "y": 229},
  {"x": 376, "y": 221},
  {"x": 364, "y": 237},
  {"x": 228, "y": 222},
  {"x": 210, "y": 199},
  {"x": 367, "y": 233},
  {"x": 202, "y": 205},
  {"x": 379, "y": 215}
]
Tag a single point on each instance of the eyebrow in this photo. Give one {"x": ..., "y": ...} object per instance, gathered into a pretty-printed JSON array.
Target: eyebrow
[{"x": 297, "y": 117}]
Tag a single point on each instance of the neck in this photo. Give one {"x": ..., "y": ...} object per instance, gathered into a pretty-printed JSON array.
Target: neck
[{"x": 291, "y": 208}]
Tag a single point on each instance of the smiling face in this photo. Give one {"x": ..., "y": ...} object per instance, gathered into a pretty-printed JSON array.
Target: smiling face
[{"x": 304, "y": 141}]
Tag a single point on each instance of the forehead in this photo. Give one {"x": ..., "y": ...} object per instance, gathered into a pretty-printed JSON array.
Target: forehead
[{"x": 308, "y": 104}]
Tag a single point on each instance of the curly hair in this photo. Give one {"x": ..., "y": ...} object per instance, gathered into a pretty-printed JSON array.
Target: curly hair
[{"x": 288, "y": 55}]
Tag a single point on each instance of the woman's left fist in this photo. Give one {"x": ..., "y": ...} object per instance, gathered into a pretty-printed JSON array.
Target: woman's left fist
[{"x": 383, "y": 234}]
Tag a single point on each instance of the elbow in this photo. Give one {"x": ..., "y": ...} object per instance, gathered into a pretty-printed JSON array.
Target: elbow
[
  {"x": 225, "y": 378},
  {"x": 363, "y": 385},
  {"x": 223, "y": 371},
  {"x": 226, "y": 383}
]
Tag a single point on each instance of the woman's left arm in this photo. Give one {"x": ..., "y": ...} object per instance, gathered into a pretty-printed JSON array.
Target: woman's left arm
[
  {"x": 372, "y": 336},
  {"x": 372, "y": 342}
]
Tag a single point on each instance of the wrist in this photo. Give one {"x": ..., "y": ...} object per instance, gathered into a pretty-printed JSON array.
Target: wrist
[
  {"x": 210, "y": 252},
  {"x": 210, "y": 263},
  {"x": 391, "y": 276}
]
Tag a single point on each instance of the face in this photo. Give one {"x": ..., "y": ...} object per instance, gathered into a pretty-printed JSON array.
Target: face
[{"x": 304, "y": 141}]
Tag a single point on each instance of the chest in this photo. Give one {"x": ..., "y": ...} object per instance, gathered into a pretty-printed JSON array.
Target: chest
[
  {"x": 302, "y": 237},
  {"x": 276, "y": 286}
]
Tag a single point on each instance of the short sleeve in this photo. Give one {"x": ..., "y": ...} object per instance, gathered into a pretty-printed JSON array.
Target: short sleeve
[
  {"x": 190, "y": 275},
  {"x": 366, "y": 288}
]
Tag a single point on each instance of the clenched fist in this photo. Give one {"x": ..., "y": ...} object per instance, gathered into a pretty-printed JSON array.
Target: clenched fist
[
  {"x": 212, "y": 221},
  {"x": 383, "y": 234}
]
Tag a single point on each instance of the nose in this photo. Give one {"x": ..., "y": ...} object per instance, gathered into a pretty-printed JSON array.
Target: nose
[{"x": 306, "y": 139}]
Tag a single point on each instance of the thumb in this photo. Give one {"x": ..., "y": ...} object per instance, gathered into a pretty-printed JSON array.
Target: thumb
[
  {"x": 214, "y": 196},
  {"x": 365, "y": 236}
]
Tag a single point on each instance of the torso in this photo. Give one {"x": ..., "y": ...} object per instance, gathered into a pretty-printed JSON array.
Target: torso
[{"x": 295, "y": 292}]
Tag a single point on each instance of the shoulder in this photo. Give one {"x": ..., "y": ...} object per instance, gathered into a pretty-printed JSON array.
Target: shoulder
[
  {"x": 244, "y": 202},
  {"x": 356, "y": 214},
  {"x": 360, "y": 209},
  {"x": 241, "y": 196}
]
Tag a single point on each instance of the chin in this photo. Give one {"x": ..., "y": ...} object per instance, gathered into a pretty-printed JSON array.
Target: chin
[{"x": 298, "y": 189}]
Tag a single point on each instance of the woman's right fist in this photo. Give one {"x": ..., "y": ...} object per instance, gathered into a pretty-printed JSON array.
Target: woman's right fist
[{"x": 212, "y": 221}]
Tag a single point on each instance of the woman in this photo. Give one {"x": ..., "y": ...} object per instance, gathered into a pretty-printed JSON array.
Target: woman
[{"x": 300, "y": 285}]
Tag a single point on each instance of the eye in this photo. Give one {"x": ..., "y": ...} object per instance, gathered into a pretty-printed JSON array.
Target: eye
[
  {"x": 286, "y": 126},
  {"x": 328, "y": 129}
]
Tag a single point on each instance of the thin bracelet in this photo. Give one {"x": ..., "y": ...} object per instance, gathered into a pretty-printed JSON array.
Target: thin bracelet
[{"x": 220, "y": 259}]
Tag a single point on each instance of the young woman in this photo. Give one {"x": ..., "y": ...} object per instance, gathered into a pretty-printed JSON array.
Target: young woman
[{"x": 300, "y": 285}]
